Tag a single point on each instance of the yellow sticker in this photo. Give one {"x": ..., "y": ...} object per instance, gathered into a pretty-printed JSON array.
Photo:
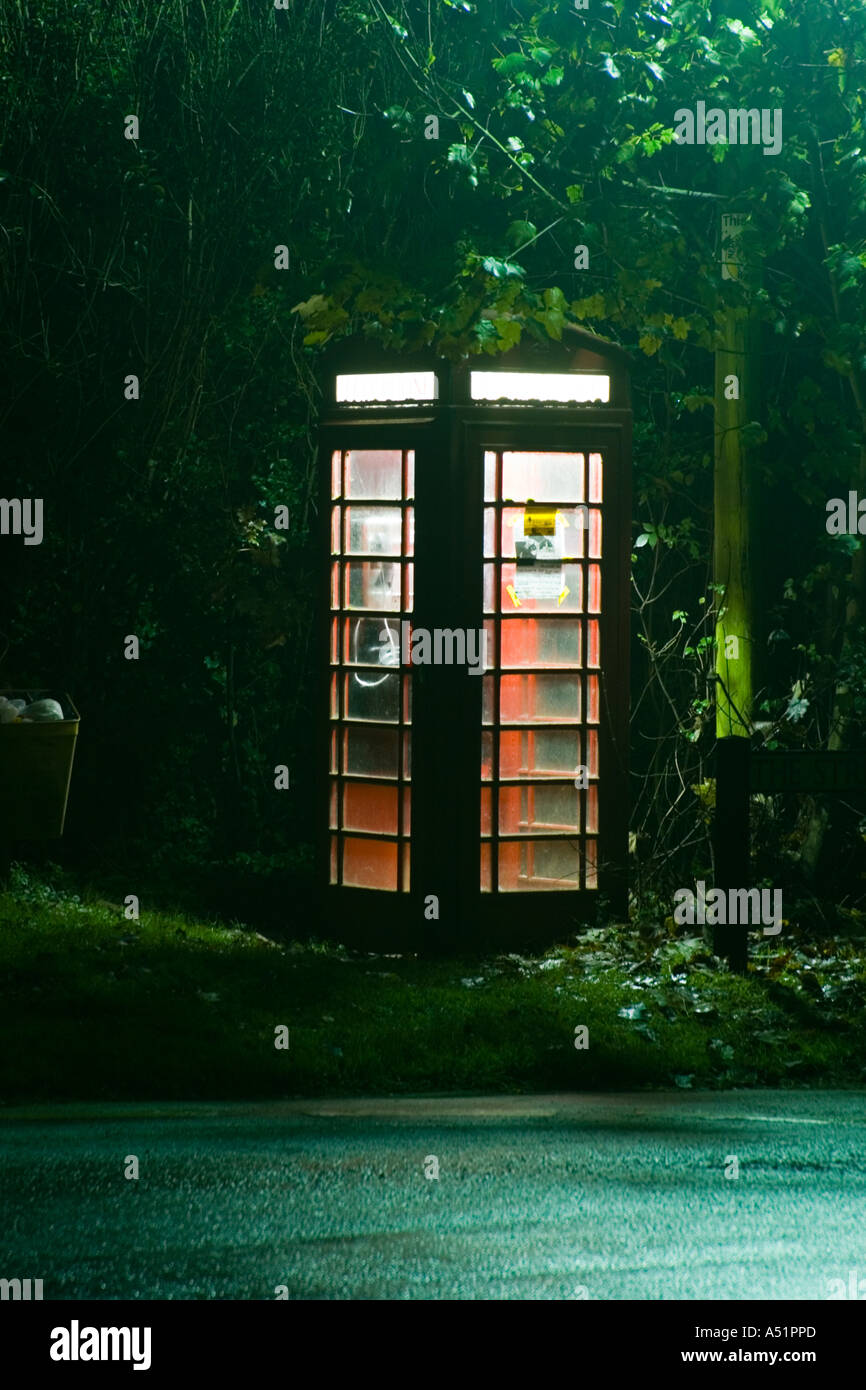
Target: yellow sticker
[
  {"x": 539, "y": 521},
  {"x": 512, "y": 594}
]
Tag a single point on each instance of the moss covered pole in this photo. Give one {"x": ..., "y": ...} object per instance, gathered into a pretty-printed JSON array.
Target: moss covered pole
[{"x": 736, "y": 395}]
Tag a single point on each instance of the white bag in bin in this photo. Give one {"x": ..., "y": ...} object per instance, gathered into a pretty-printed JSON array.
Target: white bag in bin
[
  {"x": 41, "y": 712},
  {"x": 10, "y": 710}
]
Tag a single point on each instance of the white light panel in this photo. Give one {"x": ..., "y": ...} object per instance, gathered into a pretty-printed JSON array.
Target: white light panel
[
  {"x": 539, "y": 386},
  {"x": 388, "y": 386}
]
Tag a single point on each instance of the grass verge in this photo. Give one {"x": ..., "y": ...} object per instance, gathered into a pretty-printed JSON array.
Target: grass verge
[{"x": 93, "y": 1006}]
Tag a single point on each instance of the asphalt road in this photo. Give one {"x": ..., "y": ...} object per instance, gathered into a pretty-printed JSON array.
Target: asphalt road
[{"x": 538, "y": 1197}]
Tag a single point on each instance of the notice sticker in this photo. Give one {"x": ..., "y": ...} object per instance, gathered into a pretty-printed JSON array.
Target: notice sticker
[
  {"x": 539, "y": 521},
  {"x": 542, "y": 581}
]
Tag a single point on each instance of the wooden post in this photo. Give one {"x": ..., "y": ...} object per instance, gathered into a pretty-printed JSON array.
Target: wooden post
[{"x": 731, "y": 841}]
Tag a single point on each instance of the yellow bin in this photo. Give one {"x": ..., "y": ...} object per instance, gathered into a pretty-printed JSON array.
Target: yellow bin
[{"x": 35, "y": 770}]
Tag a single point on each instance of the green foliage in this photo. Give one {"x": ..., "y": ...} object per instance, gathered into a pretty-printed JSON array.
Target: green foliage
[{"x": 306, "y": 128}]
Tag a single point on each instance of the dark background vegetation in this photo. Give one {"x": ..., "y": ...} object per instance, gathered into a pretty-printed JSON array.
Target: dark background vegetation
[{"x": 306, "y": 127}]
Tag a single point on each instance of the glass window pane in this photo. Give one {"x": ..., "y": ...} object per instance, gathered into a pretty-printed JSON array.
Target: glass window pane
[
  {"x": 407, "y": 810},
  {"x": 407, "y": 755},
  {"x": 486, "y": 877},
  {"x": 540, "y": 642},
  {"x": 542, "y": 588},
  {"x": 534, "y": 752},
  {"x": 489, "y": 476},
  {"x": 544, "y": 477},
  {"x": 524, "y": 699},
  {"x": 538, "y": 865},
  {"x": 367, "y": 806},
  {"x": 594, "y": 548},
  {"x": 370, "y": 864},
  {"x": 567, "y": 542},
  {"x": 592, "y": 752},
  {"x": 539, "y": 386},
  {"x": 370, "y": 752},
  {"x": 335, "y": 530},
  {"x": 333, "y": 805},
  {"x": 387, "y": 386},
  {"x": 334, "y": 859},
  {"x": 410, "y": 473},
  {"x": 592, "y": 711},
  {"x": 406, "y": 868},
  {"x": 528, "y": 809},
  {"x": 373, "y": 584},
  {"x": 593, "y": 643},
  {"x": 486, "y": 795},
  {"x": 373, "y": 530},
  {"x": 489, "y": 591},
  {"x": 595, "y": 466},
  {"x": 374, "y": 473},
  {"x": 590, "y": 864},
  {"x": 489, "y": 531},
  {"x": 335, "y": 586},
  {"x": 336, "y": 473},
  {"x": 370, "y": 695},
  {"x": 371, "y": 641},
  {"x": 594, "y": 605},
  {"x": 487, "y": 696},
  {"x": 591, "y": 812},
  {"x": 486, "y": 757}
]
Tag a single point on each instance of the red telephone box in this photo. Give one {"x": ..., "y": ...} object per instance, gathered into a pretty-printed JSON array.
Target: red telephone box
[{"x": 475, "y": 641}]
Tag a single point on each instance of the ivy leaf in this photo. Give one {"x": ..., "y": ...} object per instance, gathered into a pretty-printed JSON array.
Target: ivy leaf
[
  {"x": 511, "y": 63},
  {"x": 751, "y": 435},
  {"x": 635, "y": 1011},
  {"x": 509, "y": 333},
  {"x": 574, "y": 192},
  {"x": 649, "y": 344},
  {"x": 485, "y": 331},
  {"x": 461, "y": 156},
  {"x": 797, "y": 707},
  {"x": 554, "y": 322},
  {"x": 501, "y": 270},
  {"x": 519, "y": 233},
  {"x": 308, "y": 307},
  {"x": 469, "y": 99},
  {"x": 610, "y": 66}
]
